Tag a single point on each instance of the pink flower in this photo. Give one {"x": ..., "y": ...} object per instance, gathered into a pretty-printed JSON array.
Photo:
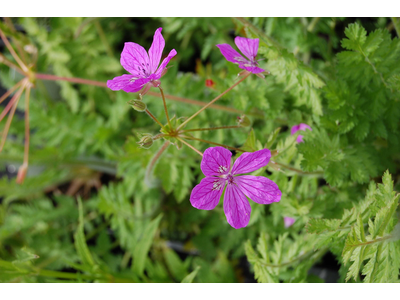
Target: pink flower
[
  {"x": 249, "y": 47},
  {"x": 216, "y": 165},
  {"x": 143, "y": 67},
  {"x": 296, "y": 128},
  {"x": 288, "y": 221}
]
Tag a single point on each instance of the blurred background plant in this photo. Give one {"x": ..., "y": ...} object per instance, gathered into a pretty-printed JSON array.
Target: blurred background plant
[{"x": 82, "y": 212}]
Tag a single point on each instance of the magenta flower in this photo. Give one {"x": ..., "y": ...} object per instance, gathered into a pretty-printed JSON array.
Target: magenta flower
[
  {"x": 143, "y": 67},
  {"x": 249, "y": 48},
  {"x": 296, "y": 128},
  {"x": 288, "y": 221},
  {"x": 216, "y": 165}
]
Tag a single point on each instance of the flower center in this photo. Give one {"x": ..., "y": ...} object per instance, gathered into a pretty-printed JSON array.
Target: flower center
[
  {"x": 230, "y": 179},
  {"x": 144, "y": 70},
  {"x": 222, "y": 169}
]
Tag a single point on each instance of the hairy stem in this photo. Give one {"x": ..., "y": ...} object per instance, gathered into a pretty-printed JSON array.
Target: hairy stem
[
  {"x": 12, "y": 28},
  {"x": 10, "y": 104},
  {"x": 10, "y": 117},
  {"x": 165, "y": 106},
  {"x": 153, "y": 162},
  {"x": 212, "y": 143},
  {"x": 27, "y": 133},
  {"x": 154, "y": 118},
  {"x": 154, "y": 94},
  {"x": 5, "y": 61},
  {"x": 212, "y": 128},
  {"x": 214, "y": 100},
  {"x": 10, "y": 48},
  {"x": 190, "y": 146},
  {"x": 10, "y": 91}
]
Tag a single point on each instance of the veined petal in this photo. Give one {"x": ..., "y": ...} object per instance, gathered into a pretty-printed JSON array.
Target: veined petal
[
  {"x": 135, "y": 60},
  {"x": 251, "y": 161},
  {"x": 236, "y": 207},
  {"x": 232, "y": 55},
  {"x": 259, "y": 189},
  {"x": 156, "y": 50},
  {"x": 216, "y": 161},
  {"x": 249, "y": 47},
  {"x": 164, "y": 63},
  {"x": 126, "y": 83},
  {"x": 207, "y": 193}
]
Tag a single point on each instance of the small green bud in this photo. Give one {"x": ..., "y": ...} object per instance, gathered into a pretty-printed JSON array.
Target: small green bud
[
  {"x": 146, "y": 142},
  {"x": 137, "y": 105},
  {"x": 243, "y": 121}
]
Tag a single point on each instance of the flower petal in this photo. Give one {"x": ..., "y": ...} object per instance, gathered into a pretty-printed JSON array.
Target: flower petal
[
  {"x": 164, "y": 63},
  {"x": 301, "y": 126},
  {"x": 124, "y": 83},
  {"x": 254, "y": 70},
  {"x": 288, "y": 221},
  {"x": 236, "y": 207},
  {"x": 259, "y": 189},
  {"x": 156, "y": 50},
  {"x": 135, "y": 60},
  {"x": 216, "y": 161},
  {"x": 249, "y": 47},
  {"x": 232, "y": 55},
  {"x": 251, "y": 161},
  {"x": 207, "y": 193}
]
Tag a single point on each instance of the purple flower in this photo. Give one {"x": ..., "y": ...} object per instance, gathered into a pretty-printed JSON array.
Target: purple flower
[
  {"x": 249, "y": 47},
  {"x": 288, "y": 221},
  {"x": 143, "y": 67},
  {"x": 296, "y": 128},
  {"x": 216, "y": 165}
]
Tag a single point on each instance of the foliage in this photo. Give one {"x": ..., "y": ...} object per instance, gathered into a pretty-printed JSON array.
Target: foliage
[{"x": 92, "y": 210}]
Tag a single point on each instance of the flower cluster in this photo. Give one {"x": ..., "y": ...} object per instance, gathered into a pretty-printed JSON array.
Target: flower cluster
[{"x": 296, "y": 128}]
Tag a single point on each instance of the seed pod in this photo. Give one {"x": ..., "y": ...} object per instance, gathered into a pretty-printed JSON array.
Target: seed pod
[
  {"x": 137, "y": 105},
  {"x": 146, "y": 142},
  {"x": 243, "y": 121}
]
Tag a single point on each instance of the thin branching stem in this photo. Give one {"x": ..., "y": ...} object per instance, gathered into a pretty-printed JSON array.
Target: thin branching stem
[
  {"x": 212, "y": 128},
  {"x": 297, "y": 170},
  {"x": 165, "y": 106},
  {"x": 190, "y": 146},
  {"x": 8, "y": 63},
  {"x": 10, "y": 117},
  {"x": 27, "y": 133},
  {"x": 212, "y": 101},
  {"x": 154, "y": 118},
  {"x": 16, "y": 57},
  {"x": 10, "y": 91},
  {"x": 212, "y": 143},
  {"x": 154, "y": 160},
  {"x": 10, "y": 104}
]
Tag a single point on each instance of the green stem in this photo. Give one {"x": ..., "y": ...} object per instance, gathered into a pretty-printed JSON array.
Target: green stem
[
  {"x": 268, "y": 40},
  {"x": 297, "y": 170},
  {"x": 396, "y": 25},
  {"x": 212, "y": 128},
  {"x": 103, "y": 38},
  {"x": 154, "y": 118},
  {"x": 165, "y": 106},
  {"x": 16, "y": 57},
  {"x": 153, "y": 162},
  {"x": 212, "y": 101},
  {"x": 190, "y": 146},
  {"x": 314, "y": 22},
  {"x": 212, "y": 143}
]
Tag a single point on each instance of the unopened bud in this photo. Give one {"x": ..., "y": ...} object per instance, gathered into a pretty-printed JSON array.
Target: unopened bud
[
  {"x": 137, "y": 105},
  {"x": 22, "y": 173},
  {"x": 146, "y": 142},
  {"x": 243, "y": 121}
]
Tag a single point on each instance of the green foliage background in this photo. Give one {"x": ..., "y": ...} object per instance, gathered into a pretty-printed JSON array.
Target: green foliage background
[{"x": 86, "y": 214}]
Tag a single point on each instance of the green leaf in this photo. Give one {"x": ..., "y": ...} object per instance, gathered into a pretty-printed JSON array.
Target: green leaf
[
  {"x": 189, "y": 278},
  {"x": 80, "y": 240},
  {"x": 143, "y": 246}
]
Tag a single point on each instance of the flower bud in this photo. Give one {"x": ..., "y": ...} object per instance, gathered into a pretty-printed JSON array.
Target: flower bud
[
  {"x": 137, "y": 105},
  {"x": 146, "y": 142},
  {"x": 243, "y": 121}
]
